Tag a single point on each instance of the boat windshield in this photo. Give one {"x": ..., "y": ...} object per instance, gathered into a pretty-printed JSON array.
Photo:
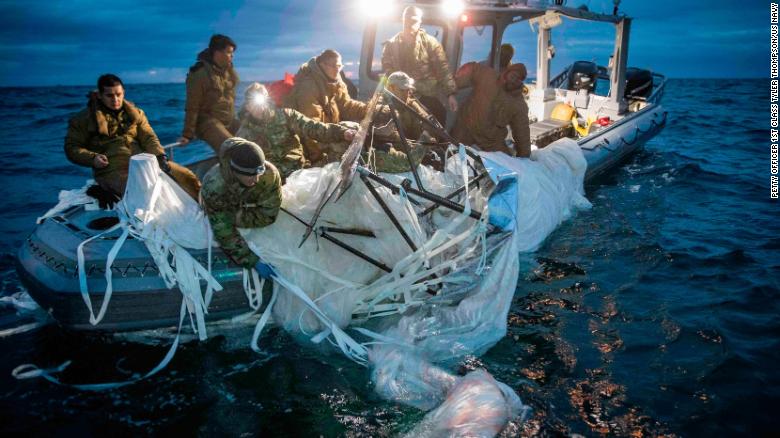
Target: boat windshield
[
  {"x": 477, "y": 41},
  {"x": 573, "y": 40}
]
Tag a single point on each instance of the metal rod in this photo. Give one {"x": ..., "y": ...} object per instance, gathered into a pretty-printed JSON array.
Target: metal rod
[
  {"x": 354, "y": 251},
  {"x": 446, "y": 203},
  {"x": 407, "y": 149},
  {"x": 453, "y": 194},
  {"x": 387, "y": 211},
  {"x": 352, "y": 231},
  {"x": 168, "y": 148},
  {"x": 294, "y": 216},
  {"x": 428, "y": 120}
]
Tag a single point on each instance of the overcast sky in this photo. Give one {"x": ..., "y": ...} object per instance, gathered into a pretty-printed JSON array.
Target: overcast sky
[{"x": 49, "y": 42}]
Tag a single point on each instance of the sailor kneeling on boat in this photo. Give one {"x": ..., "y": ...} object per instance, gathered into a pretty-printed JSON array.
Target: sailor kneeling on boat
[
  {"x": 278, "y": 131},
  {"x": 109, "y": 131},
  {"x": 242, "y": 191}
]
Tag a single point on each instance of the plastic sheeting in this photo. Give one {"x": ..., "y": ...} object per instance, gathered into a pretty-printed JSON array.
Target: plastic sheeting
[
  {"x": 453, "y": 255},
  {"x": 69, "y": 198},
  {"x": 321, "y": 289}
]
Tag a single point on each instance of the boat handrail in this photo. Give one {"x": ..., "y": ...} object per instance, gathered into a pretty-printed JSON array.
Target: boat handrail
[
  {"x": 658, "y": 90},
  {"x": 559, "y": 80},
  {"x": 659, "y": 83},
  {"x": 168, "y": 148}
]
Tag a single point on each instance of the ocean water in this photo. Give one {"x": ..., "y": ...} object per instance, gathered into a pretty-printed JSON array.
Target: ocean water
[{"x": 656, "y": 312}]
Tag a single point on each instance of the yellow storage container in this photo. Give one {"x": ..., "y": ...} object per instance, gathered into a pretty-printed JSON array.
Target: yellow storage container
[{"x": 563, "y": 112}]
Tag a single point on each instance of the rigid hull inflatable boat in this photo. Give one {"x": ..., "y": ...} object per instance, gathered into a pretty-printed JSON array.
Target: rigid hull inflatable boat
[{"x": 607, "y": 127}]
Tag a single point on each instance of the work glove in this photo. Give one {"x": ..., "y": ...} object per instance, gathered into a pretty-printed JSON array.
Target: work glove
[
  {"x": 265, "y": 270},
  {"x": 162, "y": 160},
  {"x": 105, "y": 198}
]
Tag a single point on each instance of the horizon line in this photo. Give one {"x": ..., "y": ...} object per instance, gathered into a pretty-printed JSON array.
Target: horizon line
[{"x": 354, "y": 80}]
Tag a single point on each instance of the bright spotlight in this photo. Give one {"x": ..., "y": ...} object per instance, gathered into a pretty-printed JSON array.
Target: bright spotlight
[
  {"x": 453, "y": 8},
  {"x": 259, "y": 99},
  {"x": 376, "y": 8}
]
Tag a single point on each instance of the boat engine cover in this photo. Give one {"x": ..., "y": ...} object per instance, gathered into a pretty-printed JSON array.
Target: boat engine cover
[{"x": 583, "y": 75}]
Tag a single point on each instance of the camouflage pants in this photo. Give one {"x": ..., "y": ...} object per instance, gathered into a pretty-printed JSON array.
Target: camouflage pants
[
  {"x": 116, "y": 182},
  {"x": 287, "y": 166},
  {"x": 214, "y": 132},
  {"x": 395, "y": 161}
]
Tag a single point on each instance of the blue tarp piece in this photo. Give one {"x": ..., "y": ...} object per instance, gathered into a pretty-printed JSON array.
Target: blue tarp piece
[{"x": 502, "y": 205}]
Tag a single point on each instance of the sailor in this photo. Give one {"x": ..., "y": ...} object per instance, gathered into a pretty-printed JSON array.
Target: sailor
[
  {"x": 109, "y": 131},
  {"x": 389, "y": 157},
  {"x": 242, "y": 191},
  {"x": 496, "y": 101},
  {"x": 278, "y": 131},
  {"x": 209, "y": 113},
  {"x": 421, "y": 56},
  {"x": 505, "y": 54},
  {"x": 320, "y": 94}
]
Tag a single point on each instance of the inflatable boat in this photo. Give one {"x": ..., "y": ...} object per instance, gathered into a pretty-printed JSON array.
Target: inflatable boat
[{"x": 608, "y": 126}]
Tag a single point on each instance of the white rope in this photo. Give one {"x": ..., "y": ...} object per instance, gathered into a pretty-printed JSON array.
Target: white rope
[
  {"x": 30, "y": 371},
  {"x": 83, "y": 288},
  {"x": 261, "y": 323},
  {"x": 351, "y": 348}
]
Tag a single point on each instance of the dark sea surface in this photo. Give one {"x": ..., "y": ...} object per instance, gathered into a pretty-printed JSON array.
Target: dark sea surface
[{"x": 656, "y": 312}]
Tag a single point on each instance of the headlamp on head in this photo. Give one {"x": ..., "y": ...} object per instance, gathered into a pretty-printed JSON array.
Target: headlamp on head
[
  {"x": 247, "y": 171},
  {"x": 258, "y": 99},
  {"x": 257, "y": 95}
]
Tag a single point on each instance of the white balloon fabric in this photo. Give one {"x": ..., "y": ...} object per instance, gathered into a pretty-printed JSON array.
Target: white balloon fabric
[{"x": 322, "y": 290}]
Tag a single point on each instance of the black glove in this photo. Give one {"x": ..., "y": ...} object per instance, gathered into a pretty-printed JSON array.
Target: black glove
[
  {"x": 105, "y": 198},
  {"x": 162, "y": 160}
]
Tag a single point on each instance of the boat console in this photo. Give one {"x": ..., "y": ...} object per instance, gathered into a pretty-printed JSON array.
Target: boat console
[{"x": 474, "y": 31}]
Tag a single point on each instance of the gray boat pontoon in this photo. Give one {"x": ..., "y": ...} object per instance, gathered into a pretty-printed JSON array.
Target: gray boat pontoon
[{"x": 47, "y": 261}]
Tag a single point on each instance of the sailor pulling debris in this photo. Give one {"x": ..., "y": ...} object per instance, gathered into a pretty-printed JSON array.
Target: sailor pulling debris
[
  {"x": 421, "y": 56},
  {"x": 320, "y": 94},
  {"x": 242, "y": 191},
  {"x": 496, "y": 102},
  {"x": 211, "y": 93},
  {"x": 278, "y": 131},
  {"x": 108, "y": 132},
  {"x": 389, "y": 157}
]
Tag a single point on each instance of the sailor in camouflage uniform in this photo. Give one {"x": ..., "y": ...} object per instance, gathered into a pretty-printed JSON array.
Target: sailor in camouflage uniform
[
  {"x": 242, "y": 191},
  {"x": 388, "y": 157},
  {"x": 421, "y": 56},
  {"x": 278, "y": 131}
]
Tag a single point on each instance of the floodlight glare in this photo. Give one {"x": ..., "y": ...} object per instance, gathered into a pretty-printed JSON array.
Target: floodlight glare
[
  {"x": 259, "y": 99},
  {"x": 376, "y": 8},
  {"x": 453, "y": 8}
]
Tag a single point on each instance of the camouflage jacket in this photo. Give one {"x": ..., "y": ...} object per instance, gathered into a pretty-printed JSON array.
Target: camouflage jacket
[
  {"x": 280, "y": 136},
  {"x": 412, "y": 126},
  {"x": 484, "y": 117},
  {"x": 424, "y": 60},
  {"x": 229, "y": 206},
  {"x": 211, "y": 92},
  {"x": 117, "y": 135}
]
